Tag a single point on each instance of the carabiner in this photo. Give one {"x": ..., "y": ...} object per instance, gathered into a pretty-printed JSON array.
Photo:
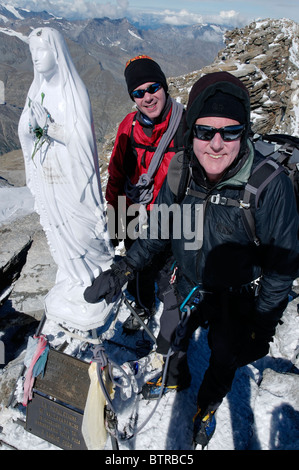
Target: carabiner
[{"x": 189, "y": 296}]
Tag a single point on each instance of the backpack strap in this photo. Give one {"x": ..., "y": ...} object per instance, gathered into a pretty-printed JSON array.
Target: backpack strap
[
  {"x": 265, "y": 172},
  {"x": 281, "y": 139},
  {"x": 287, "y": 153},
  {"x": 178, "y": 141},
  {"x": 178, "y": 175}
]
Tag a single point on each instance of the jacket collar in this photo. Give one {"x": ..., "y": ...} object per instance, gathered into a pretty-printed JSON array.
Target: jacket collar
[{"x": 148, "y": 124}]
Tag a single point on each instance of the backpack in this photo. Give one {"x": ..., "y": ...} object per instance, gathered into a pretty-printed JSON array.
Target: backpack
[
  {"x": 281, "y": 154},
  {"x": 285, "y": 150}
]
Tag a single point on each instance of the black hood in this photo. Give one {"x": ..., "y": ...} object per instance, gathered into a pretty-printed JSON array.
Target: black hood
[{"x": 205, "y": 88}]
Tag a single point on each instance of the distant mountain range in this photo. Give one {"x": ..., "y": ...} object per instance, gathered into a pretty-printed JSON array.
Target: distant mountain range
[
  {"x": 100, "y": 48},
  {"x": 112, "y": 42}
]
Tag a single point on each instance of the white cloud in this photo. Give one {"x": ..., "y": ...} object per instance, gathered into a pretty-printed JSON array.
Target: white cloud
[
  {"x": 226, "y": 17},
  {"x": 184, "y": 17}
]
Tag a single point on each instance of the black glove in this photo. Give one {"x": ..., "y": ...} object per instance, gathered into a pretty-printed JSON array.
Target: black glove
[{"x": 109, "y": 283}]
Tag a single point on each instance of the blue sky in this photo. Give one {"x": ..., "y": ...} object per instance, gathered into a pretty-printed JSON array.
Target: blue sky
[{"x": 176, "y": 12}]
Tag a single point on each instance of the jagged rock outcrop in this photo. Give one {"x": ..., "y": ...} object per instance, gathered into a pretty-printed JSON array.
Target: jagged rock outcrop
[
  {"x": 265, "y": 56},
  {"x": 27, "y": 269}
]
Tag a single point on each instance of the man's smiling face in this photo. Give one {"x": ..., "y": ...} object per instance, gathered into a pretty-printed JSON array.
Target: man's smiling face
[
  {"x": 216, "y": 155},
  {"x": 151, "y": 104}
]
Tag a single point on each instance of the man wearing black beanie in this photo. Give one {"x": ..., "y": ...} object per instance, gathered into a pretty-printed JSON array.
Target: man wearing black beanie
[
  {"x": 146, "y": 141},
  {"x": 226, "y": 279},
  {"x": 143, "y": 69}
]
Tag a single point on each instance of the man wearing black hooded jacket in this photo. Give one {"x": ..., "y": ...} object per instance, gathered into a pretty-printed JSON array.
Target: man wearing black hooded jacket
[{"x": 243, "y": 286}]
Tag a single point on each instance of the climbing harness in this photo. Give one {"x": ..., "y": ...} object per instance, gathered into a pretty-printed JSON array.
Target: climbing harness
[{"x": 193, "y": 299}]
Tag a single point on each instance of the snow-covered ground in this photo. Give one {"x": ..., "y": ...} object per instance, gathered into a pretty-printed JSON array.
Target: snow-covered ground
[{"x": 260, "y": 413}]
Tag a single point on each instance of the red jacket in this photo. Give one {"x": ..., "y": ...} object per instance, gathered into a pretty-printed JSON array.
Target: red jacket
[{"x": 123, "y": 162}]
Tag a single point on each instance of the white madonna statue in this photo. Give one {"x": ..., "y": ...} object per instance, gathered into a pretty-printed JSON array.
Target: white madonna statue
[{"x": 58, "y": 142}]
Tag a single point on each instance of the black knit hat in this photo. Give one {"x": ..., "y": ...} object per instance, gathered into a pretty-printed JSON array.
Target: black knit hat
[
  {"x": 223, "y": 105},
  {"x": 218, "y": 94},
  {"x": 143, "y": 69}
]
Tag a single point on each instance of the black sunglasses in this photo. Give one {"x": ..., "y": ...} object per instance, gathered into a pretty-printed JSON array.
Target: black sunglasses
[
  {"x": 150, "y": 89},
  {"x": 228, "y": 133}
]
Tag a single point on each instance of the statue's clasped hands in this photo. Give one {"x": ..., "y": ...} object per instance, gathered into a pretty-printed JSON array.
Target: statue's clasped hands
[
  {"x": 39, "y": 124},
  {"x": 40, "y": 115}
]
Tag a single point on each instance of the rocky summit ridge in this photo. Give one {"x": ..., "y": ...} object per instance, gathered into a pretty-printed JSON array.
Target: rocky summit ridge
[{"x": 265, "y": 56}]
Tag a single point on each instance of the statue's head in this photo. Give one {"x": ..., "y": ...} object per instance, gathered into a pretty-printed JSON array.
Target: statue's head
[{"x": 43, "y": 56}]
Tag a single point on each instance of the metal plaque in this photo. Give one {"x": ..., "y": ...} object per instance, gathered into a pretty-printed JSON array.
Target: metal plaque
[
  {"x": 55, "y": 423},
  {"x": 66, "y": 379},
  {"x": 55, "y": 412}
]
